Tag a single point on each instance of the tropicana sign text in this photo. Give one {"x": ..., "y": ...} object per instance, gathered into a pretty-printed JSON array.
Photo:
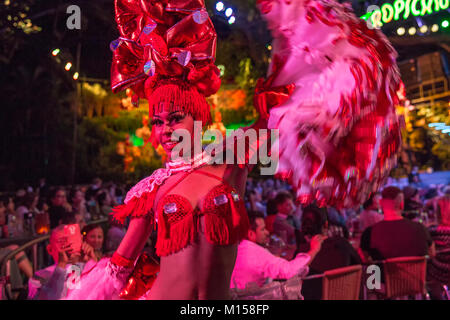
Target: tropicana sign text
[{"x": 403, "y": 9}]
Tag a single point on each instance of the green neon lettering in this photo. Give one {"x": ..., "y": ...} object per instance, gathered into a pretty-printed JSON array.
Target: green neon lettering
[
  {"x": 436, "y": 5},
  {"x": 376, "y": 19},
  {"x": 426, "y": 7},
  {"x": 394, "y": 11},
  {"x": 407, "y": 9},
  {"x": 388, "y": 12},
  {"x": 414, "y": 10},
  {"x": 399, "y": 6}
]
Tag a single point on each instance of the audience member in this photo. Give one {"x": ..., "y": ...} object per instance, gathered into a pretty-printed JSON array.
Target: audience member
[
  {"x": 395, "y": 236},
  {"x": 78, "y": 203},
  {"x": 94, "y": 188},
  {"x": 52, "y": 283},
  {"x": 413, "y": 206},
  {"x": 14, "y": 224},
  {"x": 58, "y": 207},
  {"x": 371, "y": 213},
  {"x": 285, "y": 224},
  {"x": 20, "y": 263},
  {"x": 114, "y": 236},
  {"x": 255, "y": 202},
  {"x": 337, "y": 220},
  {"x": 26, "y": 211},
  {"x": 439, "y": 267},
  {"x": 336, "y": 252},
  {"x": 104, "y": 203},
  {"x": 94, "y": 236},
  {"x": 3, "y": 218},
  {"x": 256, "y": 265}
]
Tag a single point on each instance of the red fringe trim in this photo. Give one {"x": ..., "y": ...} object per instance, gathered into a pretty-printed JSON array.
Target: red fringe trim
[
  {"x": 136, "y": 207},
  {"x": 181, "y": 96},
  {"x": 217, "y": 229},
  {"x": 176, "y": 236},
  {"x": 225, "y": 230}
]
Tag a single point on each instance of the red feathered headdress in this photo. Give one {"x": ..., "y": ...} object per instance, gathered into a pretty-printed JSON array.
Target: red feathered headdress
[{"x": 165, "y": 53}]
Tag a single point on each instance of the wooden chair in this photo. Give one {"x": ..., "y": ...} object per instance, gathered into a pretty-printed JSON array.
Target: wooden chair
[
  {"x": 342, "y": 284},
  {"x": 405, "y": 276}
]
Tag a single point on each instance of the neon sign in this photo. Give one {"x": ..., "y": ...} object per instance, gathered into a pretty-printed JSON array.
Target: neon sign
[{"x": 403, "y": 9}]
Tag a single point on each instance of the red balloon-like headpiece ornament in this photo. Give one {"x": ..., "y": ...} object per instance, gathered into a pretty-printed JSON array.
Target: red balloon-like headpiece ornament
[{"x": 165, "y": 53}]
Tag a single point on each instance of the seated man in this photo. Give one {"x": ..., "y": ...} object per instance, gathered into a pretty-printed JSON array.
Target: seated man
[
  {"x": 255, "y": 264},
  {"x": 395, "y": 236},
  {"x": 285, "y": 224},
  {"x": 71, "y": 256},
  {"x": 438, "y": 269}
]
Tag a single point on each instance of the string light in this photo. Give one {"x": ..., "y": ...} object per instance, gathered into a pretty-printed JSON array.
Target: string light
[
  {"x": 220, "y": 6},
  {"x": 55, "y": 52},
  {"x": 75, "y": 76},
  {"x": 68, "y": 66},
  {"x": 228, "y": 12},
  {"x": 412, "y": 31},
  {"x": 401, "y": 31}
]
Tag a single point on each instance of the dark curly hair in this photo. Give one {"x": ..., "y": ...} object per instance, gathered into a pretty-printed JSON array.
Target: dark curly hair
[{"x": 313, "y": 220}]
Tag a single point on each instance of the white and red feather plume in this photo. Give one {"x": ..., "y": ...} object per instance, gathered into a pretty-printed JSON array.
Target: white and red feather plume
[{"x": 339, "y": 133}]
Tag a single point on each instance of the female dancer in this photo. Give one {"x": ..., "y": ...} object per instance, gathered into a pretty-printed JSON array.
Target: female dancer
[
  {"x": 333, "y": 83},
  {"x": 197, "y": 206}
]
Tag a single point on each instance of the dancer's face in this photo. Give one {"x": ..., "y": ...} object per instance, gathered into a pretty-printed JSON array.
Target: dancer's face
[{"x": 166, "y": 122}]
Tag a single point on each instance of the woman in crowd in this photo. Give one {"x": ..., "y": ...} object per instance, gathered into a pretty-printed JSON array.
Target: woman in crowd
[
  {"x": 94, "y": 236},
  {"x": 78, "y": 202}
]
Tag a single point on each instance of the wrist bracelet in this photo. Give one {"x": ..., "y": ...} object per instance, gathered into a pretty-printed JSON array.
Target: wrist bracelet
[{"x": 118, "y": 260}]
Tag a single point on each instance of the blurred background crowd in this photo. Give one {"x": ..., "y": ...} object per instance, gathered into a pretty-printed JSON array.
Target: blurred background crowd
[{"x": 36, "y": 210}]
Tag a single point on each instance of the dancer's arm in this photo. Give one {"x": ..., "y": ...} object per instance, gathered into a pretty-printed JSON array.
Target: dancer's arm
[{"x": 134, "y": 241}]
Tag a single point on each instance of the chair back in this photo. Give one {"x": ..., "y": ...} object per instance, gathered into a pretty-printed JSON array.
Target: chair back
[
  {"x": 405, "y": 276},
  {"x": 342, "y": 283}
]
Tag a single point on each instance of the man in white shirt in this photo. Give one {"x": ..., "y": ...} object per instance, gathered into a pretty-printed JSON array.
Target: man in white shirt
[
  {"x": 52, "y": 283},
  {"x": 255, "y": 264}
]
